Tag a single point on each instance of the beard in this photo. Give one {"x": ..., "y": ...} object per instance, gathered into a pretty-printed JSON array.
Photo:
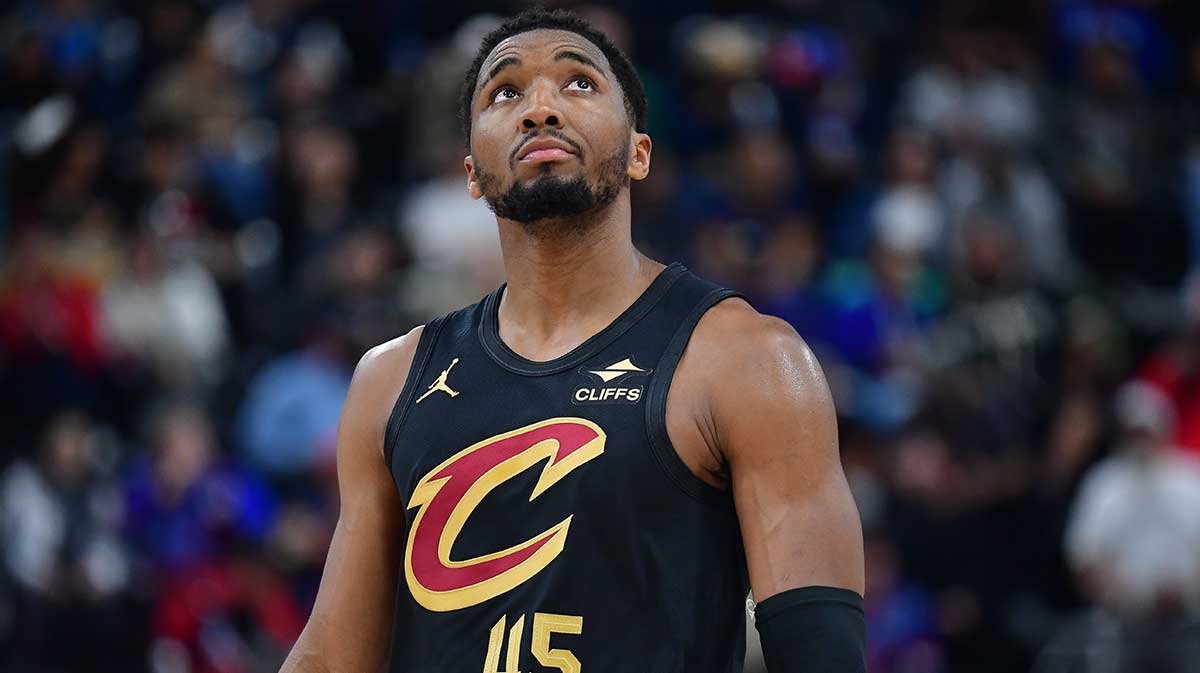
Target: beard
[{"x": 551, "y": 205}]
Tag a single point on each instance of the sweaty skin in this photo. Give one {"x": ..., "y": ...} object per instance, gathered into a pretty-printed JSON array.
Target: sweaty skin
[{"x": 748, "y": 398}]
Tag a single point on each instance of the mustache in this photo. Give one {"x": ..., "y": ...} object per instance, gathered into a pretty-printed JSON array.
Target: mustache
[{"x": 548, "y": 133}]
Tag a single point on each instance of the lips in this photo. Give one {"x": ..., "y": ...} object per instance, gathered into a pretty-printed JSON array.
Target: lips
[
  {"x": 546, "y": 155},
  {"x": 544, "y": 149}
]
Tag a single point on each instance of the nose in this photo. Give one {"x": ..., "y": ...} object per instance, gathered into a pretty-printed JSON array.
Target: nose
[{"x": 543, "y": 109}]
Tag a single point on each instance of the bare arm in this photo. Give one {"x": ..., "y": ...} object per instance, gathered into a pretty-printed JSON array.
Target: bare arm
[
  {"x": 350, "y": 624},
  {"x": 775, "y": 425}
]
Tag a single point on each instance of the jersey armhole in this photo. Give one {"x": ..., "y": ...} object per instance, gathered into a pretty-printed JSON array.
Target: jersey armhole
[
  {"x": 415, "y": 372},
  {"x": 656, "y": 407}
]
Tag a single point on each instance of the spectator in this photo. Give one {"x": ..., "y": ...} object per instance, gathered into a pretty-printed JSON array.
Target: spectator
[
  {"x": 187, "y": 504},
  {"x": 288, "y": 421},
  {"x": 168, "y": 311},
  {"x": 50, "y": 338},
  {"x": 60, "y": 518},
  {"x": 1133, "y": 536}
]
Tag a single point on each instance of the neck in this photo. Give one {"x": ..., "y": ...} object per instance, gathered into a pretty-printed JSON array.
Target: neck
[{"x": 563, "y": 288}]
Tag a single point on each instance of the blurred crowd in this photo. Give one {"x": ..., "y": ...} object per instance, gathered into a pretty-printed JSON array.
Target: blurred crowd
[{"x": 983, "y": 216}]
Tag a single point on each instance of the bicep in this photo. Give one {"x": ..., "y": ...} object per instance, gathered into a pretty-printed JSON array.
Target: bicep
[{"x": 778, "y": 431}]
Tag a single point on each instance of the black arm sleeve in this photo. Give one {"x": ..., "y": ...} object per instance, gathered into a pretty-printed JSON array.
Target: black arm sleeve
[{"x": 814, "y": 629}]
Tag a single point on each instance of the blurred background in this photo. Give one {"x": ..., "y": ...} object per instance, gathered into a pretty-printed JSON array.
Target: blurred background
[{"x": 983, "y": 216}]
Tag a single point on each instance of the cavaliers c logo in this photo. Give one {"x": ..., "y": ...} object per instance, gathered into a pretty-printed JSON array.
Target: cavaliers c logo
[{"x": 451, "y": 491}]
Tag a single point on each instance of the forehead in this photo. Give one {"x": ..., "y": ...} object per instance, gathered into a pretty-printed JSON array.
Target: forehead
[{"x": 543, "y": 42}]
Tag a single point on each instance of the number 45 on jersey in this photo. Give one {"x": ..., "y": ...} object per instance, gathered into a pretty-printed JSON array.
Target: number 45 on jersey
[{"x": 544, "y": 624}]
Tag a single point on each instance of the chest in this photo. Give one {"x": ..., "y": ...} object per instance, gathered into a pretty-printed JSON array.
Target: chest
[{"x": 476, "y": 430}]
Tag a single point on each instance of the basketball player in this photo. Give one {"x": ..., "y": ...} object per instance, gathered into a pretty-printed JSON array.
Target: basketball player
[{"x": 590, "y": 468}]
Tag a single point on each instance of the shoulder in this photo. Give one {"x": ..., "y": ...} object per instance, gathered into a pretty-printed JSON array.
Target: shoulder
[
  {"x": 1108, "y": 472},
  {"x": 1106, "y": 483},
  {"x": 385, "y": 367},
  {"x": 386, "y": 359},
  {"x": 378, "y": 380},
  {"x": 735, "y": 317},
  {"x": 1184, "y": 471},
  {"x": 757, "y": 372},
  {"x": 18, "y": 482},
  {"x": 738, "y": 341}
]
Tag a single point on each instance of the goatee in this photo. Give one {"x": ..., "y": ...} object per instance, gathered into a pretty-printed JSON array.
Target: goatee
[{"x": 551, "y": 205}]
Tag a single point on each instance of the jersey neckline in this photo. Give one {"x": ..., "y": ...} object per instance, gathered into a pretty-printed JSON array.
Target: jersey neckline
[{"x": 489, "y": 329}]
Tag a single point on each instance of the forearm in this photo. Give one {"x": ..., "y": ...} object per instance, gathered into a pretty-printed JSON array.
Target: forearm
[
  {"x": 305, "y": 657},
  {"x": 343, "y": 646}
]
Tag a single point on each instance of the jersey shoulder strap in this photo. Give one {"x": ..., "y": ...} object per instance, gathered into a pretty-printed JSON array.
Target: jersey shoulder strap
[
  {"x": 416, "y": 372},
  {"x": 689, "y": 300}
]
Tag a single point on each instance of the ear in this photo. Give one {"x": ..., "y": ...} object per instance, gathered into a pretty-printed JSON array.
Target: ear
[
  {"x": 639, "y": 156},
  {"x": 473, "y": 187}
]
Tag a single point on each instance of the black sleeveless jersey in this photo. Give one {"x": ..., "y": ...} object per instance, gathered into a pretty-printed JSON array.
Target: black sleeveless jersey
[{"x": 551, "y": 526}]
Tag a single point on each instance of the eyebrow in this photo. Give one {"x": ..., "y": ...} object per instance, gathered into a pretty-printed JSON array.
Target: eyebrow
[
  {"x": 568, "y": 55},
  {"x": 565, "y": 55},
  {"x": 506, "y": 62}
]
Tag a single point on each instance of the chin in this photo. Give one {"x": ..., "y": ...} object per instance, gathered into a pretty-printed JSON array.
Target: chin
[
  {"x": 548, "y": 172},
  {"x": 558, "y": 168}
]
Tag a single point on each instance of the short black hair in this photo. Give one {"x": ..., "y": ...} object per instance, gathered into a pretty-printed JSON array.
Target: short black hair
[{"x": 559, "y": 19}]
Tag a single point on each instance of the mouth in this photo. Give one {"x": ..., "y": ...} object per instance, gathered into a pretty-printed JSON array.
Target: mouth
[{"x": 543, "y": 150}]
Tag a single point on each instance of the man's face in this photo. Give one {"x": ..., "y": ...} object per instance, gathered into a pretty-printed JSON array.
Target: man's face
[{"x": 550, "y": 137}]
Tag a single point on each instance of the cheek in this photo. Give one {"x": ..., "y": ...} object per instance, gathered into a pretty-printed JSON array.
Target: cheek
[
  {"x": 610, "y": 125},
  {"x": 616, "y": 146},
  {"x": 485, "y": 146}
]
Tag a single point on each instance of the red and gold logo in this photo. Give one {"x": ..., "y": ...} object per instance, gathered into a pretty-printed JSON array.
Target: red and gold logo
[{"x": 449, "y": 493}]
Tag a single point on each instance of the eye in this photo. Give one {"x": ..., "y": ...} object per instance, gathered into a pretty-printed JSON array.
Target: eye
[
  {"x": 585, "y": 82},
  {"x": 499, "y": 94}
]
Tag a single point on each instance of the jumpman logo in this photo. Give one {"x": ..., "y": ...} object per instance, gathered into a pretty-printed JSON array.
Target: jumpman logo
[{"x": 440, "y": 384}]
